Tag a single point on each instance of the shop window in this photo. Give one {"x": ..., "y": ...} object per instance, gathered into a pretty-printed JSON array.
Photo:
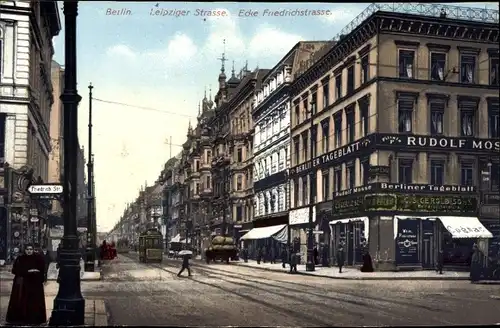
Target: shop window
[
  {"x": 466, "y": 173},
  {"x": 437, "y": 172},
  {"x": 405, "y": 171}
]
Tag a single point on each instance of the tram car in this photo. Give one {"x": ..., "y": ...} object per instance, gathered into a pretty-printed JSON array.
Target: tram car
[
  {"x": 151, "y": 246},
  {"x": 122, "y": 246}
]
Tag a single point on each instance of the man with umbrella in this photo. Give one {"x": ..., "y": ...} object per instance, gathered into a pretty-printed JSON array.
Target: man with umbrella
[{"x": 186, "y": 255}]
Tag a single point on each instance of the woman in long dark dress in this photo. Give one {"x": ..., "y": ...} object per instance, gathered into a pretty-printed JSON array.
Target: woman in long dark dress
[{"x": 27, "y": 299}]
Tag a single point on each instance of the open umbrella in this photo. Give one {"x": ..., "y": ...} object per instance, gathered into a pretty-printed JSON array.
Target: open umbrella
[{"x": 185, "y": 252}]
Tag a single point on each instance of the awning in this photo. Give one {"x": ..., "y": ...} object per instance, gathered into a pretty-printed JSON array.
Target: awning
[
  {"x": 265, "y": 232},
  {"x": 458, "y": 226},
  {"x": 176, "y": 239},
  {"x": 363, "y": 219},
  {"x": 465, "y": 227}
]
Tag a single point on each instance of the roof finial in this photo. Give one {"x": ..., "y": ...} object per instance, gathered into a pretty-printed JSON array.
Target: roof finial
[
  {"x": 199, "y": 108},
  {"x": 210, "y": 93},
  {"x": 223, "y": 59},
  {"x": 205, "y": 97},
  {"x": 232, "y": 70},
  {"x": 246, "y": 65}
]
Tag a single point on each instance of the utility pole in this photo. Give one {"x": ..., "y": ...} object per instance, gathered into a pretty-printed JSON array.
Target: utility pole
[
  {"x": 90, "y": 251},
  {"x": 69, "y": 304}
]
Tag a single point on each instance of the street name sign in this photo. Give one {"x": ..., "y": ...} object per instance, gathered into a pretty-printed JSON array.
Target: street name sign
[{"x": 45, "y": 189}]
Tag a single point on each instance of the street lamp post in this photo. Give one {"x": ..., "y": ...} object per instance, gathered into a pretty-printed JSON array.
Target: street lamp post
[
  {"x": 89, "y": 263},
  {"x": 310, "y": 265},
  {"x": 69, "y": 304}
]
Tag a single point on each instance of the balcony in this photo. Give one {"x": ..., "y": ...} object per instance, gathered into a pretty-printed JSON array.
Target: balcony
[{"x": 221, "y": 160}]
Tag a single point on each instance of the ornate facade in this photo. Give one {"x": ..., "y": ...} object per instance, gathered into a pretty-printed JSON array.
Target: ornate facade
[{"x": 401, "y": 103}]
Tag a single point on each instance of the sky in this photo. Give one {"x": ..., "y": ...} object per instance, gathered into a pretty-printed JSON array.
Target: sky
[{"x": 164, "y": 63}]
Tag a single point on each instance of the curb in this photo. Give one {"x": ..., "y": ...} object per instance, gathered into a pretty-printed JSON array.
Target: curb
[{"x": 360, "y": 278}]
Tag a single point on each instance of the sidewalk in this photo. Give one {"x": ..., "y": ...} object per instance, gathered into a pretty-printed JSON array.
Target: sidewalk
[
  {"x": 355, "y": 274},
  {"x": 5, "y": 273},
  {"x": 95, "y": 311}
]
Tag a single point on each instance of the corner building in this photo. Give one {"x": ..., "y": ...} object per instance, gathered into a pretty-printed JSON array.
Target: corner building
[{"x": 404, "y": 159}]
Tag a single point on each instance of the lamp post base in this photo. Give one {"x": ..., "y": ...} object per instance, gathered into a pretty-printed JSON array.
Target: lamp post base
[
  {"x": 68, "y": 312},
  {"x": 310, "y": 266}
]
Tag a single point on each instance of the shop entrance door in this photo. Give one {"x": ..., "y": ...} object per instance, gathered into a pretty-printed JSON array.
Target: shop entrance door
[{"x": 428, "y": 245}]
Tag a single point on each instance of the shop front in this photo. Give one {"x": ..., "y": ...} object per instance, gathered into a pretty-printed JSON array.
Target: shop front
[
  {"x": 352, "y": 234},
  {"x": 271, "y": 239},
  {"x": 489, "y": 214},
  {"x": 405, "y": 225}
]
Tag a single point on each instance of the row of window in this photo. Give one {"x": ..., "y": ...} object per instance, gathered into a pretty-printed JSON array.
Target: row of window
[
  {"x": 328, "y": 135},
  {"x": 268, "y": 88},
  {"x": 468, "y": 69},
  {"x": 467, "y": 115},
  {"x": 309, "y": 105},
  {"x": 272, "y": 162},
  {"x": 271, "y": 201},
  {"x": 271, "y": 127}
]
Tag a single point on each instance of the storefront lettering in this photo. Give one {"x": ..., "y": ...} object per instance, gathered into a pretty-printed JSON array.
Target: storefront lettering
[
  {"x": 449, "y": 143},
  {"x": 333, "y": 156},
  {"x": 351, "y": 191},
  {"x": 425, "y": 187},
  {"x": 465, "y": 229},
  {"x": 406, "y": 203}
]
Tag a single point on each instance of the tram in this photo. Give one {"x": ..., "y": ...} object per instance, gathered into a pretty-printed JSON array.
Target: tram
[{"x": 151, "y": 246}]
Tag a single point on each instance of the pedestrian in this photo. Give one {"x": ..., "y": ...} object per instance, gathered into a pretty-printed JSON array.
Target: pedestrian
[
  {"x": 316, "y": 255},
  {"x": 284, "y": 257},
  {"x": 185, "y": 265},
  {"x": 340, "y": 258},
  {"x": 293, "y": 262},
  {"x": 440, "y": 262},
  {"x": 27, "y": 299},
  {"x": 325, "y": 262},
  {"x": 265, "y": 255},
  {"x": 367, "y": 262},
  {"x": 46, "y": 259},
  {"x": 272, "y": 255},
  {"x": 260, "y": 254},
  {"x": 475, "y": 264},
  {"x": 244, "y": 252}
]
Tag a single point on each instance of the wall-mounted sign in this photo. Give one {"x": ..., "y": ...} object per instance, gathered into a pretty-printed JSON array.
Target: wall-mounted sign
[
  {"x": 405, "y": 188},
  {"x": 407, "y": 203},
  {"x": 436, "y": 143},
  {"x": 407, "y": 242},
  {"x": 375, "y": 170},
  {"x": 336, "y": 156}
]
